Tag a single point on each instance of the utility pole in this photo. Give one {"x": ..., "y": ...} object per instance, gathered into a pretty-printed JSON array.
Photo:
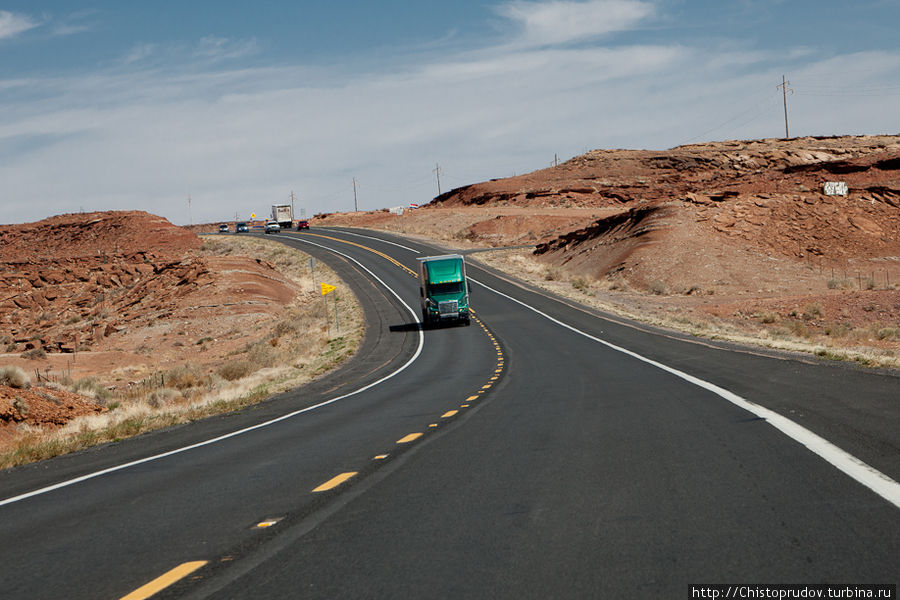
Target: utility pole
[
  {"x": 355, "y": 203},
  {"x": 292, "y": 204},
  {"x": 784, "y": 90},
  {"x": 190, "y": 211},
  {"x": 437, "y": 171}
]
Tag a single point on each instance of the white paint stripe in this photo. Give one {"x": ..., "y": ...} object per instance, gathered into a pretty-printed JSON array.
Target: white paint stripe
[
  {"x": 862, "y": 472},
  {"x": 369, "y": 237},
  {"x": 226, "y": 436}
]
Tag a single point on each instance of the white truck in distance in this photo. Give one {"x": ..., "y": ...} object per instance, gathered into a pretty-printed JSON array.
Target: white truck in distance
[{"x": 283, "y": 215}]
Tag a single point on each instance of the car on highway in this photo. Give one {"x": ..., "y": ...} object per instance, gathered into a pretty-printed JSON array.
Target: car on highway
[
  {"x": 272, "y": 227},
  {"x": 223, "y": 229},
  {"x": 241, "y": 228},
  {"x": 302, "y": 224}
]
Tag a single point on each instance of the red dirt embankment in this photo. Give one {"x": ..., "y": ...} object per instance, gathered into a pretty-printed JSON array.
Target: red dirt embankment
[{"x": 120, "y": 295}]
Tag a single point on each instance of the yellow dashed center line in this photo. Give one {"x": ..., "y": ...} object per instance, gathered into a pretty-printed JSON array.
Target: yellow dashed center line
[
  {"x": 409, "y": 438},
  {"x": 165, "y": 580},
  {"x": 381, "y": 254},
  {"x": 449, "y": 413},
  {"x": 335, "y": 481},
  {"x": 266, "y": 523},
  {"x": 380, "y": 457}
]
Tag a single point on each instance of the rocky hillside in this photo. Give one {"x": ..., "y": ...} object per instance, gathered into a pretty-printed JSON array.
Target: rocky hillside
[{"x": 766, "y": 196}]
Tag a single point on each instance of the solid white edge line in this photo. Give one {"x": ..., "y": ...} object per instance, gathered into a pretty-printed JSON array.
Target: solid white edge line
[
  {"x": 220, "y": 438},
  {"x": 371, "y": 237},
  {"x": 862, "y": 472}
]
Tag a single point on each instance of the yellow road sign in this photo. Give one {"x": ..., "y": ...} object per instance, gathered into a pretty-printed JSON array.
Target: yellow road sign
[{"x": 327, "y": 289}]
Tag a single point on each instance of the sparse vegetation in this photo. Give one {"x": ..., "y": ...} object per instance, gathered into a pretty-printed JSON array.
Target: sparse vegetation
[
  {"x": 91, "y": 386},
  {"x": 766, "y": 317},
  {"x": 235, "y": 369},
  {"x": 889, "y": 333},
  {"x": 294, "y": 351},
  {"x": 658, "y": 288},
  {"x": 34, "y": 354},
  {"x": 14, "y": 377},
  {"x": 812, "y": 311}
]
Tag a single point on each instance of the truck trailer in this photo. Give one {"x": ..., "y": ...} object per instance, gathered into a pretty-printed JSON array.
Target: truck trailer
[
  {"x": 283, "y": 215},
  {"x": 444, "y": 289}
]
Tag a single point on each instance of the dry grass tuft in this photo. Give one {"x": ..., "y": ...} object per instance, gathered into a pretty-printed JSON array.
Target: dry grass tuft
[{"x": 14, "y": 377}]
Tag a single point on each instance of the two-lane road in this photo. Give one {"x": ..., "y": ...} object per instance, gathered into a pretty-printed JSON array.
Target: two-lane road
[{"x": 561, "y": 454}]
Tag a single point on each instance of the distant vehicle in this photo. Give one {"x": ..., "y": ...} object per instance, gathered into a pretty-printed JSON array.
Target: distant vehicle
[
  {"x": 302, "y": 224},
  {"x": 272, "y": 227},
  {"x": 444, "y": 289},
  {"x": 241, "y": 228},
  {"x": 283, "y": 215},
  {"x": 223, "y": 228}
]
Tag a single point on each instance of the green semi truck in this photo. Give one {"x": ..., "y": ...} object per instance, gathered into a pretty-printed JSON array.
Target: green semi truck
[{"x": 444, "y": 289}]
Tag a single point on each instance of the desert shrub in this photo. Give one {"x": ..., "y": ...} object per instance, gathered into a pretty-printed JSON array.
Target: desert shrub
[
  {"x": 658, "y": 287},
  {"x": 766, "y": 317},
  {"x": 812, "y": 311},
  {"x": 839, "y": 284},
  {"x": 12, "y": 347},
  {"x": 162, "y": 397},
  {"x": 34, "y": 354},
  {"x": 72, "y": 320},
  {"x": 14, "y": 377},
  {"x": 5, "y": 339},
  {"x": 286, "y": 328},
  {"x": 235, "y": 369},
  {"x": 837, "y": 330},
  {"x": 580, "y": 284},
  {"x": 798, "y": 329},
  {"x": 889, "y": 333},
  {"x": 90, "y": 386},
  {"x": 262, "y": 355},
  {"x": 183, "y": 377}
]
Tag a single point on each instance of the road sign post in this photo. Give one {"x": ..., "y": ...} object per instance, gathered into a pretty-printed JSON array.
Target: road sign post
[{"x": 327, "y": 289}]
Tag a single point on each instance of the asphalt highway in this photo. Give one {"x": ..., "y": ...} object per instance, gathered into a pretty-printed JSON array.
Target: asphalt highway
[{"x": 546, "y": 451}]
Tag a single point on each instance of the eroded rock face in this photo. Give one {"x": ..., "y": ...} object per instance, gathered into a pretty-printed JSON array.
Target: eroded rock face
[
  {"x": 70, "y": 282},
  {"x": 766, "y": 196}
]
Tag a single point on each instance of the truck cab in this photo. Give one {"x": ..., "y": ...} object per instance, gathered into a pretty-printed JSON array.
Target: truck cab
[{"x": 444, "y": 289}]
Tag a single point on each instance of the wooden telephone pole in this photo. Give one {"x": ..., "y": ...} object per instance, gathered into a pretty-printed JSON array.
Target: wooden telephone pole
[
  {"x": 437, "y": 171},
  {"x": 784, "y": 91}
]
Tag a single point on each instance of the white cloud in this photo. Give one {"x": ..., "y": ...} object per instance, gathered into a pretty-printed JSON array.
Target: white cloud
[
  {"x": 216, "y": 48},
  {"x": 561, "y": 21},
  {"x": 237, "y": 140},
  {"x": 12, "y": 24}
]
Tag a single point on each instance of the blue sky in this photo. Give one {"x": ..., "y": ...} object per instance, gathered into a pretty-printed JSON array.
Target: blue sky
[{"x": 126, "y": 105}]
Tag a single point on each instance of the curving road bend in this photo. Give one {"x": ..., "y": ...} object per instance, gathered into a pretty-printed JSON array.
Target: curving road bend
[{"x": 562, "y": 454}]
